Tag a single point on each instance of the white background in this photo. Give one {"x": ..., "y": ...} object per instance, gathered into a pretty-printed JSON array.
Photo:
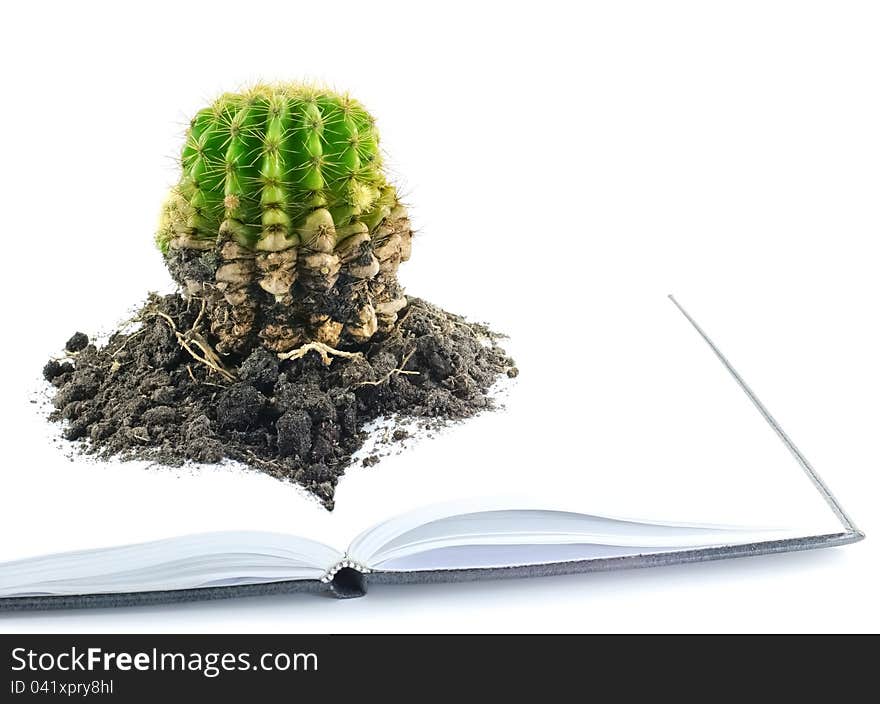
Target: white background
[{"x": 557, "y": 157}]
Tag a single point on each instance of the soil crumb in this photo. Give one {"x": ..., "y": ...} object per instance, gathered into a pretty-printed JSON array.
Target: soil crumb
[
  {"x": 77, "y": 342},
  {"x": 154, "y": 394}
]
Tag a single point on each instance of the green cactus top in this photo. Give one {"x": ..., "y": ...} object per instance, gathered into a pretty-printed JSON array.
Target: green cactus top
[{"x": 269, "y": 166}]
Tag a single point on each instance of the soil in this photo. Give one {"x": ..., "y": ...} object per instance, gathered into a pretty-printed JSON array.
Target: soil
[{"x": 154, "y": 393}]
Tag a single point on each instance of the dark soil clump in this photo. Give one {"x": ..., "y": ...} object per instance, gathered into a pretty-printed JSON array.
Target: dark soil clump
[
  {"x": 154, "y": 394},
  {"x": 77, "y": 342}
]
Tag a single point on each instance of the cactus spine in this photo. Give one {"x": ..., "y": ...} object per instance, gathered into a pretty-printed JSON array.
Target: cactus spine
[{"x": 284, "y": 185}]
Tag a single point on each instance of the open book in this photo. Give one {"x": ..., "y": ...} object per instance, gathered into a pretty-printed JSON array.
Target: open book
[{"x": 464, "y": 540}]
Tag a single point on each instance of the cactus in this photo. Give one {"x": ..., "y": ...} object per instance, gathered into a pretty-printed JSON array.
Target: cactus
[{"x": 283, "y": 201}]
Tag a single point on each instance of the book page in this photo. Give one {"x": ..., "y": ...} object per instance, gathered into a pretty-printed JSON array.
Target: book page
[
  {"x": 187, "y": 562},
  {"x": 662, "y": 433},
  {"x": 498, "y": 537}
]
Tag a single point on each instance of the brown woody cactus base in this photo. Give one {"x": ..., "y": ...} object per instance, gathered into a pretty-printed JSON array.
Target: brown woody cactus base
[{"x": 281, "y": 300}]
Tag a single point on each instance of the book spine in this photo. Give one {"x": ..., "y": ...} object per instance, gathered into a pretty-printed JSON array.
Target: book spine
[{"x": 347, "y": 579}]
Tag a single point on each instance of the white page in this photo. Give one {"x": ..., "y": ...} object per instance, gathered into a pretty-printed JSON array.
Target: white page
[
  {"x": 662, "y": 433},
  {"x": 498, "y": 537},
  {"x": 187, "y": 562}
]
